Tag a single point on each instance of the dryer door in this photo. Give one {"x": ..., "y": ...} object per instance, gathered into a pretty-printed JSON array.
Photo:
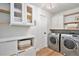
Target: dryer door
[
  {"x": 53, "y": 39},
  {"x": 70, "y": 44}
]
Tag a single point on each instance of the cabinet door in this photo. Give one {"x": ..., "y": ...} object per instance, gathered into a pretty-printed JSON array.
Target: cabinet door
[
  {"x": 29, "y": 14},
  {"x": 16, "y": 13},
  {"x": 8, "y": 48}
]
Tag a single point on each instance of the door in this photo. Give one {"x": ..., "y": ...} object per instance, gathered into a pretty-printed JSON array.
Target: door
[
  {"x": 70, "y": 47},
  {"x": 70, "y": 44},
  {"x": 42, "y": 32},
  {"x": 53, "y": 40}
]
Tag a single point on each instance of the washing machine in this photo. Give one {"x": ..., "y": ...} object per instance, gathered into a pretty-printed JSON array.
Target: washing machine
[
  {"x": 53, "y": 41},
  {"x": 70, "y": 44}
]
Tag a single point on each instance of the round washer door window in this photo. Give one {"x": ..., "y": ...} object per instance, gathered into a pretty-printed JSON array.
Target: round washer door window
[
  {"x": 53, "y": 40},
  {"x": 69, "y": 44}
]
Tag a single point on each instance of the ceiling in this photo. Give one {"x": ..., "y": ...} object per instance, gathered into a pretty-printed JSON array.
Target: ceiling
[{"x": 58, "y": 7}]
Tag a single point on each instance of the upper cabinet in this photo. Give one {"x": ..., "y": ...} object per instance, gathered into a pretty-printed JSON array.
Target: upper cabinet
[
  {"x": 21, "y": 14},
  {"x": 29, "y": 14}
]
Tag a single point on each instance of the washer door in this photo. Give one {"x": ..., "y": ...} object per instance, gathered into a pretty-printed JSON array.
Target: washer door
[
  {"x": 53, "y": 40},
  {"x": 70, "y": 44}
]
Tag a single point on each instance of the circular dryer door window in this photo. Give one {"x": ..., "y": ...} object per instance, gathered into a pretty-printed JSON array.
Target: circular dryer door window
[
  {"x": 69, "y": 44},
  {"x": 53, "y": 40}
]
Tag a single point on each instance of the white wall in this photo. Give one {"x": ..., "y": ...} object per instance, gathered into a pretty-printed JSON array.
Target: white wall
[
  {"x": 58, "y": 19},
  {"x": 11, "y": 31}
]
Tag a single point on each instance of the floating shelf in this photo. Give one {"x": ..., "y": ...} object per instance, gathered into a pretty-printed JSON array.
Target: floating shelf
[
  {"x": 5, "y": 11},
  {"x": 71, "y": 14},
  {"x": 75, "y": 22},
  {"x": 17, "y": 10},
  {"x": 74, "y": 29}
]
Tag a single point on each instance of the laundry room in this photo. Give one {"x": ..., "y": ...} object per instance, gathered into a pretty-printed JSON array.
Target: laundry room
[{"x": 39, "y": 29}]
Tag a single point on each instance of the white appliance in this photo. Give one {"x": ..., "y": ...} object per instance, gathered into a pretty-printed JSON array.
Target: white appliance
[
  {"x": 70, "y": 44},
  {"x": 53, "y": 41}
]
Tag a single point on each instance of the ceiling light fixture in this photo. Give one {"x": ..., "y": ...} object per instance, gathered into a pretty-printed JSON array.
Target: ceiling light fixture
[{"x": 50, "y": 6}]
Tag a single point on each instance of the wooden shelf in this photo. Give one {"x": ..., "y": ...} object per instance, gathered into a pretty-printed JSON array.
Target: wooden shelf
[
  {"x": 5, "y": 11},
  {"x": 75, "y": 22},
  {"x": 4, "y": 23},
  {"x": 71, "y": 14},
  {"x": 74, "y": 29}
]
